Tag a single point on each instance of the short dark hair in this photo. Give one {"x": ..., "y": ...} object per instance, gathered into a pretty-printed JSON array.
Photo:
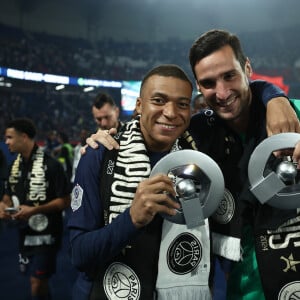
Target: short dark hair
[
  {"x": 23, "y": 125},
  {"x": 167, "y": 70},
  {"x": 102, "y": 99},
  {"x": 212, "y": 41}
]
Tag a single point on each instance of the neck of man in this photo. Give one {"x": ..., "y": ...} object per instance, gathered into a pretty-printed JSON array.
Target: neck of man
[
  {"x": 28, "y": 147},
  {"x": 240, "y": 123}
]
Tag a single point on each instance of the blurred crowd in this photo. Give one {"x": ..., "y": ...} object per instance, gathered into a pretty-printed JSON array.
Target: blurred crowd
[
  {"x": 50, "y": 111},
  {"x": 271, "y": 53}
]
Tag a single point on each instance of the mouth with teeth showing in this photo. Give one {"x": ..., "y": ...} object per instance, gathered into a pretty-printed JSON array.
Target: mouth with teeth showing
[
  {"x": 167, "y": 126},
  {"x": 227, "y": 102}
]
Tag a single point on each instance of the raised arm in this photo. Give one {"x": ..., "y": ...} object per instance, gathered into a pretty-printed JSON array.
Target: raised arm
[{"x": 280, "y": 116}]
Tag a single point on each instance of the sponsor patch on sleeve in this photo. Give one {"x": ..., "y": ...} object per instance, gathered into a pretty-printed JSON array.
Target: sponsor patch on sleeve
[{"x": 77, "y": 194}]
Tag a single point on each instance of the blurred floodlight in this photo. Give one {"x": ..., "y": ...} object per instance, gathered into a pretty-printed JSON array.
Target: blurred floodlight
[
  {"x": 88, "y": 89},
  {"x": 60, "y": 87}
]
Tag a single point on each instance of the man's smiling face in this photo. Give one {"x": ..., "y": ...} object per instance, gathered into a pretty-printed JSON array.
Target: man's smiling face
[{"x": 165, "y": 111}]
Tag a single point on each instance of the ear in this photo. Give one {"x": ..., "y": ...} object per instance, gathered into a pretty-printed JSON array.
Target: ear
[
  {"x": 117, "y": 111},
  {"x": 248, "y": 68},
  {"x": 138, "y": 105},
  {"x": 24, "y": 136}
]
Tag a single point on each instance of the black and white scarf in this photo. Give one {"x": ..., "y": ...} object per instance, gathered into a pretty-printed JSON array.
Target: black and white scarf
[
  {"x": 37, "y": 178},
  {"x": 30, "y": 189}
]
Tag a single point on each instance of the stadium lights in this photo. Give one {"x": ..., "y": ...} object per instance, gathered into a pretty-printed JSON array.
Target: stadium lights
[
  {"x": 6, "y": 84},
  {"x": 58, "y": 79},
  {"x": 60, "y": 87},
  {"x": 88, "y": 89}
]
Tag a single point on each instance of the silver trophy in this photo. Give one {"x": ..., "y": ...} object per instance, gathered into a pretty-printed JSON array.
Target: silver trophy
[
  {"x": 198, "y": 182},
  {"x": 279, "y": 188}
]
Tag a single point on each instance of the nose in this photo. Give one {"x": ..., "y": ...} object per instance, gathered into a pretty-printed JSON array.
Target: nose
[
  {"x": 103, "y": 123},
  {"x": 222, "y": 90},
  {"x": 170, "y": 110}
]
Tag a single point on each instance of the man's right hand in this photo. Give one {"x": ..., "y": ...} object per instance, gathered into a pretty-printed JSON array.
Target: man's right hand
[
  {"x": 151, "y": 197},
  {"x": 104, "y": 137}
]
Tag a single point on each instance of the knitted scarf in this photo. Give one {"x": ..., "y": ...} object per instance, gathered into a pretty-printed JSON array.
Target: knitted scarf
[
  {"x": 37, "y": 182},
  {"x": 30, "y": 189}
]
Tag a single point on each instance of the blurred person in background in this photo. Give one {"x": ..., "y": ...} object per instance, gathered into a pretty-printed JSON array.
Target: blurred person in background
[
  {"x": 106, "y": 115},
  {"x": 105, "y": 112},
  {"x": 3, "y": 176},
  {"x": 3, "y": 172},
  {"x": 65, "y": 154},
  {"x": 36, "y": 193},
  {"x": 198, "y": 103},
  {"x": 52, "y": 143},
  {"x": 84, "y": 134}
]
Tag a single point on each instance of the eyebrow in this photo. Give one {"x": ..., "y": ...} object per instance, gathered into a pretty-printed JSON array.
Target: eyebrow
[
  {"x": 213, "y": 78},
  {"x": 102, "y": 117},
  {"x": 159, "y": 94}
]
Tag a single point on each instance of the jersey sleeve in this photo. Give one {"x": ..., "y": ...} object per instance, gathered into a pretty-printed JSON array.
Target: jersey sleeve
[
  {"x": 266, "y": 90},
  {"x": 93, "y": 243}
]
